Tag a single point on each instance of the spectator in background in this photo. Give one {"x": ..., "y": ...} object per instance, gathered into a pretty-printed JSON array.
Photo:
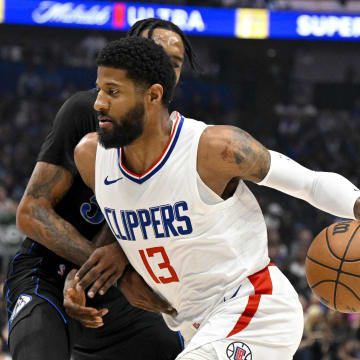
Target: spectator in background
[
  {"x": 91, "y": 45},
  {"x": 3, "y": 325},
  {"x": 7, "y": 208},
  {"x": 314, "y": 327}
]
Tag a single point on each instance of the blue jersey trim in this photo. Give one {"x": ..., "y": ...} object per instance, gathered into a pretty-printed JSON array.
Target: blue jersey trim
[
  {"x": 6, "y": 282},
  {"x": 234, "y": 294},
  {"x": 11, "y": 271},
  {"x": 36, "y": 289},
  {"x": 49, "y": 301},
  {"x": 158, "y": 166},
  {"x": 30, "y": 248},
  {"x": 181, "y": 340},
  {"x": 12, "y": 263}
]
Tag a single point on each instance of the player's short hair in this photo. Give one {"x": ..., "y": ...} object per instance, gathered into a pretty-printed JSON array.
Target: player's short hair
[
  {"x": 145, "y": 61},
  {"x": 152, "y": 23}
]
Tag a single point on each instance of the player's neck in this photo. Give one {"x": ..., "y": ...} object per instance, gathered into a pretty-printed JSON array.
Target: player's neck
[{"x": 145, "y": 151}]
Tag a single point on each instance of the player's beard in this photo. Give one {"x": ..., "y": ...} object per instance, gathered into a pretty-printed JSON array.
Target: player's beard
[{"x": 130, "y": 128}]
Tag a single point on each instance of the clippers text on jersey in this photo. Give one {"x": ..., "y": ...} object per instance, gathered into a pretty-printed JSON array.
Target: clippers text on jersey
[{"x": 161, "y": 221}]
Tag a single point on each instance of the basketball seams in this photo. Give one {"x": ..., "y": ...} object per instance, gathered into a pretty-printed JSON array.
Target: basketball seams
[
  {"x": 340, "y": 283},
  {"x": 350, "y": 289},
  {"x": 321, "y": 282},
  {"x": 342, "y": 260},
  {"x": 331, "y": 268},
  {"x": 332, "y": 252},
  {"x": 328, "y": 244},
  {"x": 319, "y": 263}
]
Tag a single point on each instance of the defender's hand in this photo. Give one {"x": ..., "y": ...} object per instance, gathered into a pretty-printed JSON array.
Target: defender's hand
[
  {"x": 139, "y": 294},
  {"x": 102, "y": 269},
  {"x": 74, "y": 304}
]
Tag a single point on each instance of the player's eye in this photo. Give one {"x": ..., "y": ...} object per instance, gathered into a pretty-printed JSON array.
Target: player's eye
[
  {"x": 175, "y": 65},
  {"x": 113, "y": 91},
  {"x": 97, "y": 89}
]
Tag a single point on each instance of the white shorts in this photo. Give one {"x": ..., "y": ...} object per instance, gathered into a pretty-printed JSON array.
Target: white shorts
[{"x": 265, "y": 325}]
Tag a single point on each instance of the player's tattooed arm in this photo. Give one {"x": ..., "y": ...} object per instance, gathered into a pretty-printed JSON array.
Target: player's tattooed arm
[
  {"x": 107, "y": 263},
  {"x": 226, "y": 152},
  {"x": 104, "y": 237},
  {"x": 37, "y": 218},
  {"x": 251, "y": 160}
]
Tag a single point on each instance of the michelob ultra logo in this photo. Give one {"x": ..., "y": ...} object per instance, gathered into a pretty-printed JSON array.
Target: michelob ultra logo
[
  {"x": 71, "y": 13},
  {"x": 185, "y": 19}
]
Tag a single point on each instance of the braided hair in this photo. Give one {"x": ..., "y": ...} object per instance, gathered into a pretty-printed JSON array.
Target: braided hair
[{"x": 153, "y": 23}]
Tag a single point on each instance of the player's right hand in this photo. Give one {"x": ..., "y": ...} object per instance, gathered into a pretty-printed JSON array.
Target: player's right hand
[
  {"x": 75, "y": 304},
  {"x": 139, "y": 294},
  {"x": 105, "y": 265}
]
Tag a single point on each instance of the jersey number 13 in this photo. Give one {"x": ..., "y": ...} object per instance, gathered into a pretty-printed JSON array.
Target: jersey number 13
[{"x": 163, "y": 265}]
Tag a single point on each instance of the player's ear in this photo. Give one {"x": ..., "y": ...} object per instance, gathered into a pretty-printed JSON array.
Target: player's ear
[{"x": 155, "y": 93}]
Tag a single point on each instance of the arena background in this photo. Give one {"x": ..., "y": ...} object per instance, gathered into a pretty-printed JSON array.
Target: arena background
[{"x": 297, "y": 96}]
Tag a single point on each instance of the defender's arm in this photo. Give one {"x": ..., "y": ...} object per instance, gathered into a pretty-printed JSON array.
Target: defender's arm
[
  {"x": 107, "y": 263},
  {"x": 37, "y": 218}
]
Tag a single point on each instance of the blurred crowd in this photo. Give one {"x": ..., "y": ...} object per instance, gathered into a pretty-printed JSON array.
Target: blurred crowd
[{"x": 38, "y": 79}]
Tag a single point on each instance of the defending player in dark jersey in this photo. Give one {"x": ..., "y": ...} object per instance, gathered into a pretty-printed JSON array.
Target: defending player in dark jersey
[{"x": 61, "y": 217}]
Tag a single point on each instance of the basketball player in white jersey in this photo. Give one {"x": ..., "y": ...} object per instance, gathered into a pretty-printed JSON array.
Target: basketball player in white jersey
[{"x": 159, "y": 181}]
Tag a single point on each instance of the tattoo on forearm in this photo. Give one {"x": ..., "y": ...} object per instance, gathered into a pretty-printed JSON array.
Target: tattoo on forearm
[
  {"x": 238, "y": 158},
  {"x": 62, "y": 232},
  {"x": 262, "y": 168},
  {"x": 40, "y": 189},
  {"x": 250, "y": 156}
]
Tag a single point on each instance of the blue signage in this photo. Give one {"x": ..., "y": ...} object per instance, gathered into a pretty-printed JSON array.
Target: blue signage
[
  {"x": 59, "y": 13},
  {"x": 118, "y": 16},
  {"x": 192, "y": 20},
  {"x": 317, "y": 26},
  {"x": 242, "y": 23}
]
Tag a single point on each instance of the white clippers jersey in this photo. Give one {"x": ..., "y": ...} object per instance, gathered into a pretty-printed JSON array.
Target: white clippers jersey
[{"x": 193, "y": 254}]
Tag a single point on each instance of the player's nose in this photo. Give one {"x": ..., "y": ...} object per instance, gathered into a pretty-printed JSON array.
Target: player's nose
[{"x": 100, "y": 103}]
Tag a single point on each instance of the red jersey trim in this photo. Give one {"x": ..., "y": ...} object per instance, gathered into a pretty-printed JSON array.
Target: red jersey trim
[{"x": 159, "y": 160}]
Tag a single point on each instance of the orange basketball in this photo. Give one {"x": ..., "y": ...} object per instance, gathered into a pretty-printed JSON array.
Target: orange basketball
[{"x": 333, "y": 266}]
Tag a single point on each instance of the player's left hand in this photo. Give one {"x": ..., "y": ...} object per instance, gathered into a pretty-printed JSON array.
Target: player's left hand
[
  {"x": 105, "y": 265},
  {"x": 139, "y": 294},
  {"x": 75, "y": 304}
]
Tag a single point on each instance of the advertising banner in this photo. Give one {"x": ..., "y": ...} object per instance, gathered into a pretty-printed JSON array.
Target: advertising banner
[
  {"x": 241, "y": 23},
  {"x": 192, "y": 20},
  {"x": 60, "y": 13},
  {"x": 2, "y": 10},
  {"x": 252, "y": 23},
  {"x": 119, "y": 16},
  {"x": 316, "y": 26}
]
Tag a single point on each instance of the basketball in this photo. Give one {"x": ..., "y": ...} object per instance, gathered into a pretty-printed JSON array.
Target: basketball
[{"x": 333, "y": 266}]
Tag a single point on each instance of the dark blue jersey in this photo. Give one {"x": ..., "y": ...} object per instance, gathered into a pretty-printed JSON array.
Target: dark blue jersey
[{"x": 74, "y": 120}]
